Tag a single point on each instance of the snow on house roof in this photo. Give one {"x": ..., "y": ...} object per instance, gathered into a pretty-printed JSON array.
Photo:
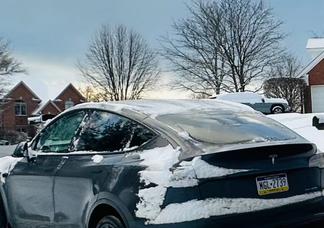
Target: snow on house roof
[
  {"x": 315, "y": 43},
  {"x": 310, "y": 66},
  {"x": 155, "y": 108},
  {"x": 21, "y": 83},
  {"x": 70, "y": 85},
  {"x": 315, "y": 47},
  {"x": 42, "y": 106}
]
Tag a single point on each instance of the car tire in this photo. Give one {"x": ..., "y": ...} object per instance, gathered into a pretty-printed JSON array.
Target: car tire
[
  {"x": 110, "y": 221},
  {"x": 277, "y": 109}
]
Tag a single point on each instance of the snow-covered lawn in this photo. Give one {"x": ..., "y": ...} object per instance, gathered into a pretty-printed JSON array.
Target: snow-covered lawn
[{"x": 302, "y": 124}]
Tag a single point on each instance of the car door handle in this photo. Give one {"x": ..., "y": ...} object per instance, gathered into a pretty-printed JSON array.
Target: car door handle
[{"x": 64, "y": 159}]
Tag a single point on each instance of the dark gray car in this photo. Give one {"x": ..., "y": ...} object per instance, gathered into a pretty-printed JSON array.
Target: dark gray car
[{"x": 177, "y": 163}]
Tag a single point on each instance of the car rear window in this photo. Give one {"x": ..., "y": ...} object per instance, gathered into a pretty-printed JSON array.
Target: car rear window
[{"x": 227, "y": 128}]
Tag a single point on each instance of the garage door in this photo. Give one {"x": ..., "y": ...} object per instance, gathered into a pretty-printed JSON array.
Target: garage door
[{"x": 317, "y": 98}]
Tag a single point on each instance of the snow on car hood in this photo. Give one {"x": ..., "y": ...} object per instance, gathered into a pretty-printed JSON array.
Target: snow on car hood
[{"x": 7, "y": 164}]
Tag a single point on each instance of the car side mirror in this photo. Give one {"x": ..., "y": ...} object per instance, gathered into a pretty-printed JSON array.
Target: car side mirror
[
  {"x": 263, "y": 100},
  {"x": 21, "y": 150}
]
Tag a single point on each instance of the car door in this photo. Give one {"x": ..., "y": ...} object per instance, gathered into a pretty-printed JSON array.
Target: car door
[
  {"x": 29, "y": 187},
  {"x": 94, "y": 165}
]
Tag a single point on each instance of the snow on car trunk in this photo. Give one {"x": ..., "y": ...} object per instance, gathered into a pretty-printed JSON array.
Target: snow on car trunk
[
  {"x": 164, "y": 170},
  {"x": 302, "y": 124},
  {"x": 159, "y": 162}
]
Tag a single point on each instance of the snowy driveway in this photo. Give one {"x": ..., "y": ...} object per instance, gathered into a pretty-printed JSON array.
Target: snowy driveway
[{"x": 302, "y": 124}]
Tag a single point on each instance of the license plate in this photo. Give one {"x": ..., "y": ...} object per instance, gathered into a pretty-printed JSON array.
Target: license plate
[{"x": 272, "y": 184}]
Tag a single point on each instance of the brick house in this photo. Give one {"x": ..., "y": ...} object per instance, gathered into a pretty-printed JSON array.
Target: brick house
[
  {"x": 313, "y": 73},
  {"x": 47, "y": 110},
  {"x": 17, "y": 105},
  {"x": 21, "y": 103},
  {"x": 69, "y": 97}
]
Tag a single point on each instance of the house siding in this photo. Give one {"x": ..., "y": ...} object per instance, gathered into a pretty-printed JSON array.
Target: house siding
[
  {"x": 70, "y": 93},
  {"x": 316, "y": 75},
  {"x": 9, "y": 119},
  {"x": 50, "y": 109},
  {"x": 21, "y": 92}
]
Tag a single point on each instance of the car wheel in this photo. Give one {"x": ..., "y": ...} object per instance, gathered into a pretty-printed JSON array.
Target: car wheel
[
  {"x": 277, "y": 109},
  {"x": 110, "y": 221}
]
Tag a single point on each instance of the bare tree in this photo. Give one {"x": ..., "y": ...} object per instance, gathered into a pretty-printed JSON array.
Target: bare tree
[
  {"x": 224, "y": 45},
  {"x": 120, "y": 64},
  {"x": 91, "y": 94},
  {"x": 8, "y": 65},
  {"x": 284, "y": 82},
  {"x": 194, "y": 54}
]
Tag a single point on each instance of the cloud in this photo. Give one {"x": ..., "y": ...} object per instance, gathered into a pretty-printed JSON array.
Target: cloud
[{"x": 47, "y": 78}]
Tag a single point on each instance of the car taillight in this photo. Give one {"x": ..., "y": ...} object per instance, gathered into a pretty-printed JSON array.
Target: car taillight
[{"x": 317, "y": 160}]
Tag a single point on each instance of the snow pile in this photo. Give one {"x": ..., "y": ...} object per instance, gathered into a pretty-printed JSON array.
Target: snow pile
[
  {"x": 302, "y": 124},
  {"x": 7, "y": 164},
  {"x": 199, "y": 209}
]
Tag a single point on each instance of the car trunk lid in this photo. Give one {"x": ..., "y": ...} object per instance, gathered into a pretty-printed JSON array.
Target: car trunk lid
[{"x": 238, "y": 173}]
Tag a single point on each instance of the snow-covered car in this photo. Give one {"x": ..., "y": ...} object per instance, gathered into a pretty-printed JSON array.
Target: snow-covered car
[
  {"x": 257, "y": 102},
  {"x": 4, "y": 142},
  {"x": 168, "y": 163}
]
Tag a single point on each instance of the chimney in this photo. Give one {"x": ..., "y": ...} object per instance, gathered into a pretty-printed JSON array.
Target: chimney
[{"x": 315, "y": 46}]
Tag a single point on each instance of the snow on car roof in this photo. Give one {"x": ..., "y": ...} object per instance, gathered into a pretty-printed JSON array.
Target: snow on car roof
[{"x": 155, "y": 108}]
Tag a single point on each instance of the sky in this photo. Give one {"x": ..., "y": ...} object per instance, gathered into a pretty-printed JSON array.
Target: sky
[{"x": 50, "y": 36}]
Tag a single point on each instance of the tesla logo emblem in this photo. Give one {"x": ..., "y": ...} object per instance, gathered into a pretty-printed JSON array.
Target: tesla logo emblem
[{"x": 273, "y": 157}]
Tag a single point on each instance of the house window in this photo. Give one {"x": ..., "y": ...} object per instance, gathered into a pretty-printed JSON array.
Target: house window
[
  {"x": 20, "y": 108},
  {"x": 21, "y": 129},
  {"x": 69, "y": 104}
]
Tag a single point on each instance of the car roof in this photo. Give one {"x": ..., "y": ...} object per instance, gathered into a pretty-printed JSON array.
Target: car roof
[{"x": 154, "y": 108}]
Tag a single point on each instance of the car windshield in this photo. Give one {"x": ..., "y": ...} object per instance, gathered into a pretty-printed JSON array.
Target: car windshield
[{"x": 215, "y": 128}]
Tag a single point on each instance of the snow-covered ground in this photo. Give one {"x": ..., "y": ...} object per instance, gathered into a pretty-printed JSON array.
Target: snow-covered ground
[
  {"x": 7, "y": 150},
  {"x": 302, "y": 124}
]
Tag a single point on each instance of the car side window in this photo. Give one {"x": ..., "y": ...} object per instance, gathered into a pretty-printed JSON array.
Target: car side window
[
  {"x": 104, "y": 131},
  {"x": 57, "y": 137}
]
